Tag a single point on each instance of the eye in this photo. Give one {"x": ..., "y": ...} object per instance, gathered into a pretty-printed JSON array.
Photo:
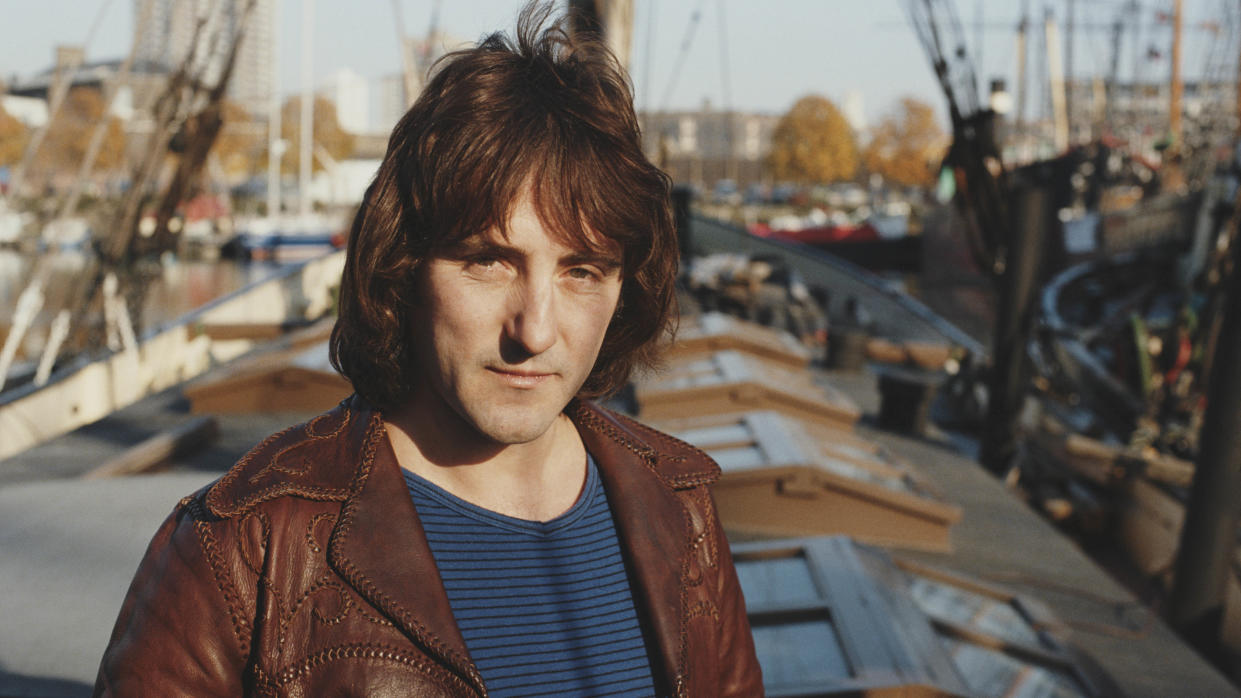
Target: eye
[
  {"x": 583, "y": 273},
  {"x": 483, "y": 262}
]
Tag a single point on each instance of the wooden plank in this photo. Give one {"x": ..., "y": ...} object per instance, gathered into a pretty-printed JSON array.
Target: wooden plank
[
  {"x": 727, "y": 381},
  {"x": 881, "y": 635},
  {"x": 298, "y": 378},
  {"x": 159, "y": 449},
  {"x": 713, "y": 332},
  {"x": 780, "y": 480},
  {"x": 799, "y": 501}
]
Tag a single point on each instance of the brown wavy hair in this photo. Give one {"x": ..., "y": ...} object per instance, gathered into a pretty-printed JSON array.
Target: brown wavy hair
[{"x": 548, "y": 111}]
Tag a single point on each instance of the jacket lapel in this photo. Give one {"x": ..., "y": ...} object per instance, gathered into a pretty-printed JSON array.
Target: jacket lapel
[
  {"x": 651, "y": 524},
  {"x": 380, "y": 548}
]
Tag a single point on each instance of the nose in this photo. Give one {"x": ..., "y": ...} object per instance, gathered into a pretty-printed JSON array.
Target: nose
[{"x": 532, "y": 320}]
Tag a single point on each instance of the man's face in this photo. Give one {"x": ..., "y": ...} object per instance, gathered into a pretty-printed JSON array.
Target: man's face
[{"x": 507, "y": 330}]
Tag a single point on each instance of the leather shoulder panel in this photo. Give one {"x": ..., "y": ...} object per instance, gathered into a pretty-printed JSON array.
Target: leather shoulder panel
[
  {"x": 677, "y": 463},
  {"x": 317, "y": 460}
]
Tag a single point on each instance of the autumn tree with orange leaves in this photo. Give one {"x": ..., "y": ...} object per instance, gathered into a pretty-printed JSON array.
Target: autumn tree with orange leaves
[
  {"x": 906, "y": 146},
  {"x": 813, "y": 143},
  {"x": 243, "y": 139},
  {"x": 70, "y": 134},
  {"x": 326, "y": 133},
  {"x": 13, "y": 139}
]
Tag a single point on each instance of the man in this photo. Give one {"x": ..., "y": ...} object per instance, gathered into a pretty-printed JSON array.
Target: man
[{"x": 468, "y": 523}]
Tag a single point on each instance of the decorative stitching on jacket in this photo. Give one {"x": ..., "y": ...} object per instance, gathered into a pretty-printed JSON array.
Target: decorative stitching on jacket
[
  {"x": 704, "y": 608},
  {"x": 265, "y": 685},
  {"x": 346, "y": 604},
  {"x": 251, "y": 558},
  {"x": 317, "y": 494},
  {"x": 593, "y": 420},
  {"x": 650, "y": 455},
  {"x": 363, "y": 582},
  {"x": 210, "y": 548},
  {"x": 311, "y": 540},
  {"x": 216, "y": 498},
  {"x": 312, "y": 438},
  {"x": 370, "y": 651},
  {"x": 235, "y": 472}
]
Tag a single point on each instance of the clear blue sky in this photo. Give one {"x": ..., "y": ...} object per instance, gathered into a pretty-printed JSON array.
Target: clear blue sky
[{"x": 778, "y": 50}]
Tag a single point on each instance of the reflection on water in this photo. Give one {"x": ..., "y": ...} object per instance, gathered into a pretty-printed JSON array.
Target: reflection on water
[{"x": 177, "y": 288}]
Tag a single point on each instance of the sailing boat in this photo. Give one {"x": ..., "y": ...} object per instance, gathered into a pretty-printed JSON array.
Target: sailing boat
[{"x": 279, "y": 236}]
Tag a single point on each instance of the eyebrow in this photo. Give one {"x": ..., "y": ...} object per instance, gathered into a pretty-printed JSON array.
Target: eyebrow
[
  {"x": 606, "y": 262},
  {"x": 476, "y": 244}
]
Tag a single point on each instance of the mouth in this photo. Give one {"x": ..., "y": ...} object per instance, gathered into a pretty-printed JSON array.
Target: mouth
[{"x": 521, "y": 379}]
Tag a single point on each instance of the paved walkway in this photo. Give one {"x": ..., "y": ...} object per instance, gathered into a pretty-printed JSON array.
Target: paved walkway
[{"x": 68, "y": 549}]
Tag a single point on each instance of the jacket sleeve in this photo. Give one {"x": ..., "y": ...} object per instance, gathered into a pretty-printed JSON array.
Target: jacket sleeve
[
  {"x": 740, "y": 674},
  {"x": 177, "y": 632}
]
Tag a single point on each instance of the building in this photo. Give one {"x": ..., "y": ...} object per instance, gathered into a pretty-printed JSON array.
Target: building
[
  {"x": 350, "y": 93},
  {"x": 705, "y": 146},
  {"x": 169, "y": 36},
  {"x": 389, "y": 102}
]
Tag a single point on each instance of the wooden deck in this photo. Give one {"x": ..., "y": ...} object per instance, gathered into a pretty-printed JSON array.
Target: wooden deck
[{"x": 1000, "y": 540}]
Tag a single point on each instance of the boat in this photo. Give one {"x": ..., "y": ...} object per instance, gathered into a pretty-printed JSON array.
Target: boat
[
  {"x": 89, "y": 388},
  {"x": 289, "y": 238}
]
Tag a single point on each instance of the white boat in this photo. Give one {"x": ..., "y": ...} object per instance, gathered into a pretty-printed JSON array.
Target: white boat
[
  {"x": 87, "y": 390},
  {"x": 289, "y": 238}
]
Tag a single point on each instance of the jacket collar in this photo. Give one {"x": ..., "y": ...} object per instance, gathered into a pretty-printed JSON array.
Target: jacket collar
[
  {"x": 381, "y": 549},
  {"x": 379, "y": 545},
  {"x": 651, "y": 523}
]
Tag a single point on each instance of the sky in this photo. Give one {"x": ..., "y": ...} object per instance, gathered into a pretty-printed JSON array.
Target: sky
[{"x": 753, "y": 55}]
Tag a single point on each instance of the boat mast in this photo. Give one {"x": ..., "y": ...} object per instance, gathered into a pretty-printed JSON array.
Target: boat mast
[
  {"x": 1068, "y": 67},
  {"x": 1174, "y": 101},
  {"x": 1022, "y": 29},
  {"x": 1055, "y": 76},
  {"x": 307, "y": 112},
  {"x": 611, "y": 20},
  {"x": 275, "y": 149},
  {"x": 1209, "y": 535}
]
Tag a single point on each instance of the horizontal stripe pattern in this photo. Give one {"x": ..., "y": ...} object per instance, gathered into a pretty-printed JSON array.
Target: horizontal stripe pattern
[{"x": 545, "y": 607}]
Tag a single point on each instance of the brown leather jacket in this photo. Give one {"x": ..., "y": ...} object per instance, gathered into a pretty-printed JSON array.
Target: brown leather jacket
[{"x": 304, "y": 571}]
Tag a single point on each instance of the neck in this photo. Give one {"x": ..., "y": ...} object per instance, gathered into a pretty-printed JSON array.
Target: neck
[{"x": 536, "y": 480}]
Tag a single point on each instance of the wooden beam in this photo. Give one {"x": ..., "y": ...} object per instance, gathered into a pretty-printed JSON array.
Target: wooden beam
[{"x": 159, "y": 449}]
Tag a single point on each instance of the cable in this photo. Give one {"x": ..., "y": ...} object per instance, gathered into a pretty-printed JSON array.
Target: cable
[{"x": 680, "y": 62}]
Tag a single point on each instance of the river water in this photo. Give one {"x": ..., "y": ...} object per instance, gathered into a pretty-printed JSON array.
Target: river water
[{"x": 177, "y": 287}]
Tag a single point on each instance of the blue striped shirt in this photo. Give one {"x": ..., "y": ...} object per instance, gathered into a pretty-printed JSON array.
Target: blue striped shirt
[{"x": 545, "y": 607}]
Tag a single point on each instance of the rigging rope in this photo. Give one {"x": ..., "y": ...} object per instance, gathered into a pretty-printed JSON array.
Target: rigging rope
[{"x": 680, "y": 62}]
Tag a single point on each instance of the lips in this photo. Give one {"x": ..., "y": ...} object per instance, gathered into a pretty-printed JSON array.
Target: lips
[{"x": 521, "y": 379}]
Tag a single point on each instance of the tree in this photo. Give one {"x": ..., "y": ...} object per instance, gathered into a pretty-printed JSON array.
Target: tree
[
  {"x": 326, "y": 133},
  {"x": 813, "y": 143},
  {"x": 242, "y": 140},
  {"x": 907, "y": 145},
  {"x": 70, "y": 133},
  {"x": 13, "y": 139}
]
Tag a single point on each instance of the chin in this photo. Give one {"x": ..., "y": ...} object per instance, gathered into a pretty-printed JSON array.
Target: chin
[{"x": 509, "y": 427}]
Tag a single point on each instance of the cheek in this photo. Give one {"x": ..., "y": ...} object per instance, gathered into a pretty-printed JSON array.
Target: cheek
[{"x": 602, "y": 316}]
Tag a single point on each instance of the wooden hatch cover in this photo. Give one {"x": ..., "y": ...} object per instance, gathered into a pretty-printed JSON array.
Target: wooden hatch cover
[
  {"x": 729, "y": 381},
  {"x": 714, "y": 331},
  {"x": 784, "y": 477},
  {"x": 294, "y": 380},
  {"x": 833, "y": 617}
]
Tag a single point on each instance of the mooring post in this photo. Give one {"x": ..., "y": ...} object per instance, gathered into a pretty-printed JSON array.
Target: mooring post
[
  {"x": 681, "y": 199},
  {"x": 1209, "y": 534},
  {"x": 1018, "y": 287}
]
